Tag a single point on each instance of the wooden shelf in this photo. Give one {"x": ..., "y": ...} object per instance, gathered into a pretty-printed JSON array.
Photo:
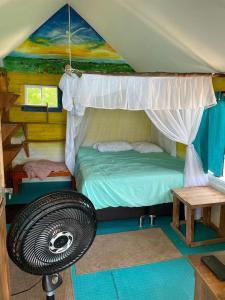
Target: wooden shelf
[
  {"x": 43, "y": 141},
  {"x": 10, "y": 152},
  {"x": 7, "y": 99},
  {"x": 35, "y": 123},
  {"x": 8, "y": 130}
]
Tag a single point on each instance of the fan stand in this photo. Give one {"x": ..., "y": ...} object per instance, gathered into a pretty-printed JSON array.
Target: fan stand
[
  {"x": 50, "y": 283},
  {"x": 50, "y": 235}
]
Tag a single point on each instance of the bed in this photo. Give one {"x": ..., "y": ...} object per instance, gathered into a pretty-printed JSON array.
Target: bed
[{"x": 127, "y": 178}]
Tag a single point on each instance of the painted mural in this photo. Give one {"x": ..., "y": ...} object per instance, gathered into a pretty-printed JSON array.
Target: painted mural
[
  {"x": 46, "y": 50},
  {"x": 40, "y": 60}
]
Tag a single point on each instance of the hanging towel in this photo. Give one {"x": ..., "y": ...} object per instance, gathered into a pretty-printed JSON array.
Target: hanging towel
[{"x": 210, "y": 140}]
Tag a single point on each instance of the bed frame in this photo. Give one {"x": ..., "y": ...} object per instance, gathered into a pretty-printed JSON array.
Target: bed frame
[
  {"x": 111, "y": 213},
  {"x": 117, "y": 213}
]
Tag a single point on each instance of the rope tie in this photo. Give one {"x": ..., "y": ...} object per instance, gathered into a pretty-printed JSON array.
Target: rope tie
[{"x": 68, "y": 68}]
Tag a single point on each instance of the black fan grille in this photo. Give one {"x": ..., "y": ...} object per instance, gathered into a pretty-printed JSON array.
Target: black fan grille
[{"x": 29, "y": 237}]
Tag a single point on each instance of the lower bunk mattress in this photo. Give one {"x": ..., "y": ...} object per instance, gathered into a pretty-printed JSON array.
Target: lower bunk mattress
[{"x": 127, "y": 178}]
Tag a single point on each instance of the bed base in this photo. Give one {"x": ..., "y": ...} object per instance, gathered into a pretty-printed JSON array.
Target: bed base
[
  {"x": 117, "y": 213},
  {"x": 113, "y": 213}
]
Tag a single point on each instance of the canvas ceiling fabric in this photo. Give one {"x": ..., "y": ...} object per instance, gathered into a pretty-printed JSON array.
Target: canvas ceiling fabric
[{"x": 136, "y": 92}]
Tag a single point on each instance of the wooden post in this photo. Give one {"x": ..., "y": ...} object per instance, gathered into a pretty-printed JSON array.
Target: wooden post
[
  {"x": 25, "y": 144},
  {"x": 206, "y": 215},
  {"x": 4, "y": 267},
  {"x": 222, "y": 221},
  {"x": 176, "y": 212},
  {"x": 189, "y": 225}
]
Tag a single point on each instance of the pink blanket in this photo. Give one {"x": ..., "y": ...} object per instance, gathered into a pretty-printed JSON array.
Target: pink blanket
[{"x": 42, "y": 168}]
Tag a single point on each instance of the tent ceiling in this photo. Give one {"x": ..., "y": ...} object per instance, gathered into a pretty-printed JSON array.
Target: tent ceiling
[
  {"x": 152, "y": 35},
  {"x": 20, "y": 18}
]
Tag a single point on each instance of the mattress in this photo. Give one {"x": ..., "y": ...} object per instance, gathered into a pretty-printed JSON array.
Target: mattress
[{"x": 127, "y": 178}]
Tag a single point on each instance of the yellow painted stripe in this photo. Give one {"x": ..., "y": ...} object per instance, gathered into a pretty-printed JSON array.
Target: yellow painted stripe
[{"x": 46, "y": 132}]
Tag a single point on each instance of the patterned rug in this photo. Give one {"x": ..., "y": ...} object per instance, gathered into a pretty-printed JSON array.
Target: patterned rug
[
  {"x": 21, "y": 281},
  {"x": 126, "y": 249}
]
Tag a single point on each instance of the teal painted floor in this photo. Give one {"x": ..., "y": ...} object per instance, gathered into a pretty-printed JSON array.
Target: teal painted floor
[{"x": 166, "y": 280}]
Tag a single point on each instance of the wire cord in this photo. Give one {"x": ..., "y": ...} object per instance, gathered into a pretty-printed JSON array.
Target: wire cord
[{"x": 27, "y": 290}]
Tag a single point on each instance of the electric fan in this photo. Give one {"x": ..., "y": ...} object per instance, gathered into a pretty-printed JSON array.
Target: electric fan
[{"x": 50, "y": 234}]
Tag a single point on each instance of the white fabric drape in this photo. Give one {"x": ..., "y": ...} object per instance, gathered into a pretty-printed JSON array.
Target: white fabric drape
[
  {"x": 68, "y": 85},
  {"x": 182, "y": 126},
  {"x": 164, "y": 142},
  {"x": 76, "y": 130},
  {"x": 136, "y": 92},
  {"x": 72, "y": 133},
  {"x": 174, "y": 105}
]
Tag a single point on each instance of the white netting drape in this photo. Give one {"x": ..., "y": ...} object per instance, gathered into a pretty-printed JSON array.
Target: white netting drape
[
  {"x": 182, "y": 126},
  {"x": 136, "y": 92},
  {"x": 158, "y": 138},
  {"x": 174, "y": 105}
]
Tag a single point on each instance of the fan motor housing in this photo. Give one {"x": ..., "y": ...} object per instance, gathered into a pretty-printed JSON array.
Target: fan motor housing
[{"x": 61, "y": 242}]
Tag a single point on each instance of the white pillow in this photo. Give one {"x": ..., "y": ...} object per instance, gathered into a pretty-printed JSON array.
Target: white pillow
[
  {"x": 112, "y": 146},
  {"x": 146, "y": 147}
]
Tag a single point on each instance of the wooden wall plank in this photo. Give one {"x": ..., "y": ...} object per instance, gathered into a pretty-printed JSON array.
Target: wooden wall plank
[{"x": 4, "y": 270}]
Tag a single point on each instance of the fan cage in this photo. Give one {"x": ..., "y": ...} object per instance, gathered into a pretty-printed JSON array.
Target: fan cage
[{"x": 65, "y": 209}]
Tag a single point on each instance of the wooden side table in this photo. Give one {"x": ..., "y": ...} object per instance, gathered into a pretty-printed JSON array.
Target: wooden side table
[
  {"x": 207, "y": 286},
  {"x": 198, "y": 197}
]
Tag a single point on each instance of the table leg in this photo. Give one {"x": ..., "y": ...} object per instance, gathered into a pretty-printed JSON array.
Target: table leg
[
  {"x": 202, "y": 290},
  {"x": 189, "y": 225},
  {"x": 176, "y": 212},
  {"x": 206, "y": 215},
  {"x": 222, "y": 221},
  {"x": 197, "y": 286}
]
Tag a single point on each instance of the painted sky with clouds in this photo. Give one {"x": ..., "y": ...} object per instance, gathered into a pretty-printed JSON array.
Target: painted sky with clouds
[{"x": 51, "y": 41}]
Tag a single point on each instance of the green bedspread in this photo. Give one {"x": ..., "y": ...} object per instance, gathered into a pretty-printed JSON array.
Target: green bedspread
[{"x": 127, "y": 178}]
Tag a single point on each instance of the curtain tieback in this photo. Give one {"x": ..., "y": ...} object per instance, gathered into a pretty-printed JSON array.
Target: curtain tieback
[{"x": 190, "y": 148}]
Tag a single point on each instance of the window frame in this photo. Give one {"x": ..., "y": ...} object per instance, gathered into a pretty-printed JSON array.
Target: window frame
[
  {"x": 41, "y": 108},
  {"x": 217, "y": 182}
]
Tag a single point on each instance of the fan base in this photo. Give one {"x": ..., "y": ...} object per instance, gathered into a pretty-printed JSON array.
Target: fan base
[
  {"x": 50, "y": 283},
  {"x": 52, "y": 297}
]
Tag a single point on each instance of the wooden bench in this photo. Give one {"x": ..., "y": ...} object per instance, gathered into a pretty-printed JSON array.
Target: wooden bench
[
  {"x": 18, "y": 174},
  {"x": 204, "y": 197}
]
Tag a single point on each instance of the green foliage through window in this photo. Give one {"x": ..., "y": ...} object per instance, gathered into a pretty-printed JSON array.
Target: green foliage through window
[{"x": 41, "y": 95}]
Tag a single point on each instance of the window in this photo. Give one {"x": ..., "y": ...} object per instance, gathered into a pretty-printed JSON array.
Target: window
[{"x": 41, "y": 97}]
